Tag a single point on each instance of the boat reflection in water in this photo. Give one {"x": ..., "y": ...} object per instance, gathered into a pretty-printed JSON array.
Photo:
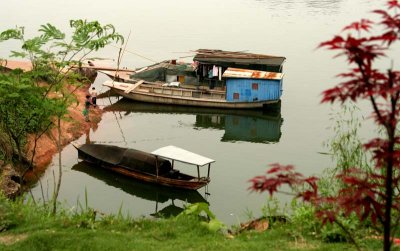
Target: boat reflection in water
[
  {"x": 257, "y": 126},
  {"x": 144, "y": 191}
]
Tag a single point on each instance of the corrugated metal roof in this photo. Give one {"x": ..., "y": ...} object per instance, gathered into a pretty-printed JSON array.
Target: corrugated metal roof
[
  {"x": 244, "y": 73},
  {"x": 213, "y": 56}
]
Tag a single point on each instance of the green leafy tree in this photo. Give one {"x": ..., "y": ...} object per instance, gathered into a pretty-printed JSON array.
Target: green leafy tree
[
  {"x": 54, "y": 58},
  {"x": 23, "y": 109}
]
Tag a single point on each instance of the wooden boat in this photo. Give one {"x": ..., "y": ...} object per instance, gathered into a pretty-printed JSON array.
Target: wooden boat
[
  {"x": 159, "y": 195},
  {"x": 156, "y": 167},
  {"x": 157, "y": 93},
  {"x": 215, "y": 79}
]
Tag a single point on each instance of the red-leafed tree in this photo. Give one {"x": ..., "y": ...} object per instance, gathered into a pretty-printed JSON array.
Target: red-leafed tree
[{"x": 369, "y": 194}]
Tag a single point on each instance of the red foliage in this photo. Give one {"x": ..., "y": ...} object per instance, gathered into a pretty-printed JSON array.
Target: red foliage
[
  {"x": 281, "y": 175},
  {"x": 361, "y": 194},
  {"x": 364, "y": 24},
  {"x": 367, "y": 193},
  {"x": 393, "y": 4}
]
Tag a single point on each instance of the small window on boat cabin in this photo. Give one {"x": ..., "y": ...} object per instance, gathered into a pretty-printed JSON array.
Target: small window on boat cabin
[
  {"x": 254, "y": 86},
  {"x": 235, "y": 95}
]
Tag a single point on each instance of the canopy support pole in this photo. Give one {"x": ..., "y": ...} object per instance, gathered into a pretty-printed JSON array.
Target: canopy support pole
[
  {"x": 173, "y": 164},
  {"x": 157, "y": 165},
  {"x": 198, "y": 171},
  {"x": 208, "y": 172}
]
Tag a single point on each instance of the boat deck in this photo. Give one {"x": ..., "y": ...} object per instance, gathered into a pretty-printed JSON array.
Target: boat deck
[{"x": 182, "y": 92}]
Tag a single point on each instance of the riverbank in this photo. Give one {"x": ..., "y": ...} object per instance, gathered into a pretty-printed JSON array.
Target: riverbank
[{"x": 73, "y": 125}]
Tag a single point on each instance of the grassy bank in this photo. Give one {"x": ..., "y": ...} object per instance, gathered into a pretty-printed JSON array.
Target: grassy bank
[{"x": 25, "y": 226}]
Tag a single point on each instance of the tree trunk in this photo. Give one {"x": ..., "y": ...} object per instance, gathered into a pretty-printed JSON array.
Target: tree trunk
[{"x": 57, "y": 190}]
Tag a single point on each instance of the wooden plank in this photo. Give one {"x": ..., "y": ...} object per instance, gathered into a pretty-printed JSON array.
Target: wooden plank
[
  {"x": 134, "y": 86},
  {"x": 104, "y": 68}
]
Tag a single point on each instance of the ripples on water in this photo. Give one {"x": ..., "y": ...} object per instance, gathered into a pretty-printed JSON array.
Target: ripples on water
[{"x": 311, "y": 6}]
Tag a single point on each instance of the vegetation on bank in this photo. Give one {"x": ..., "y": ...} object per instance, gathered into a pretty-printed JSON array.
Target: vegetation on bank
[
  {"x": 35, "y": 101},
  {"x": 26, "y": 226},
  {"x": 31, "y": 102}
]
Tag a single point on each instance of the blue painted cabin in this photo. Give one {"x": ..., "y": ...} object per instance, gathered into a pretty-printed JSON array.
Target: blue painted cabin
[{"x": 244, "y": 85}]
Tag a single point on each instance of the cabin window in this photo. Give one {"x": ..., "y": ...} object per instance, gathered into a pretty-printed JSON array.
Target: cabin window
[
  {"x": 235, "y": 95},
  {"x": 254, "y": 86}
]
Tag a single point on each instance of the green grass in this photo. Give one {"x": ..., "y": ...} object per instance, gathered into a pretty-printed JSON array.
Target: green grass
[
  {"x": 28, "y": 227},
  {"x": 158, "y": 235}
]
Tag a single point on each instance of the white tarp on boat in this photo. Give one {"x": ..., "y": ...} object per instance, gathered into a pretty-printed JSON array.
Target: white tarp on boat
[{"x": 182, "y": 155}]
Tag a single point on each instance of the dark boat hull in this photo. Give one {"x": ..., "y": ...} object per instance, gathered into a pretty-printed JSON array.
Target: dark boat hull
[
  {"x": 138, "y": 188},
  {"x": 192, "y": 184},
  {"x": 118, "y": 163}
]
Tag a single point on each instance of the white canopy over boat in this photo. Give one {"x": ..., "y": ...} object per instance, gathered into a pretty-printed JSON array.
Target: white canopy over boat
[{"x": 182, "y": 155}]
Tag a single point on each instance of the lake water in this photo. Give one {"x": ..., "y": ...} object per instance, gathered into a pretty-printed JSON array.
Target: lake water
[{"x": 243, "y": 144}]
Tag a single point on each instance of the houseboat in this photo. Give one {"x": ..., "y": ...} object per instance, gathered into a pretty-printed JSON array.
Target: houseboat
[{"x": 215, "y": 79}]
